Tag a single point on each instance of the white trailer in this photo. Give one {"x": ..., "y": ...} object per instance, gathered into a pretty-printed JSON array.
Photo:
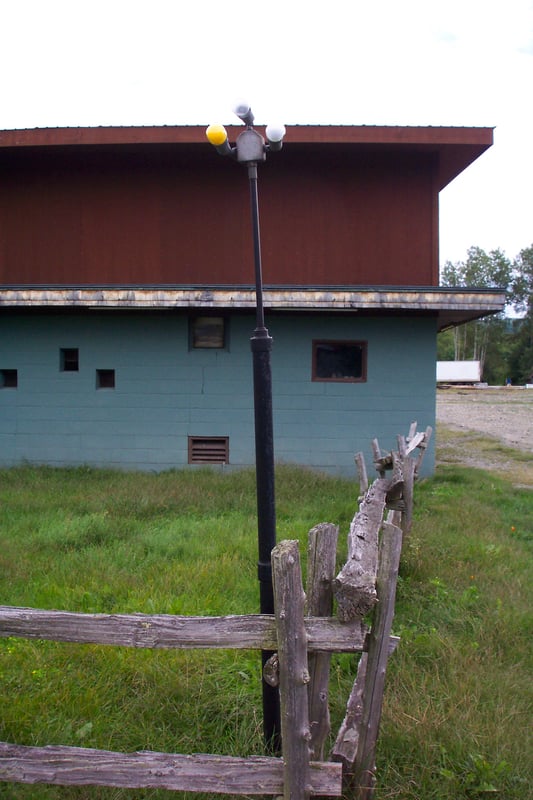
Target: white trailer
[{"x": 458, "y": 371}]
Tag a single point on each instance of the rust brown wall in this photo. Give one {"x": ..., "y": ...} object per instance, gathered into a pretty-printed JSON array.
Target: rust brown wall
[{"x": 180, "y": 215}]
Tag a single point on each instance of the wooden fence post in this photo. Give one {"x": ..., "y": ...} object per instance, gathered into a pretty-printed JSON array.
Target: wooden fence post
[
  {"x": 363, "y": 778},
  {"x": 289, "y": 602},
  {"x": 321, "y": 559}
]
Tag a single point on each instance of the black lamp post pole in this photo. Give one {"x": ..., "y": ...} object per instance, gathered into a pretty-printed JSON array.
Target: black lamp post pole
[
  {"x": 250, "y": 149},
  {"x": 261, "y": 345}
]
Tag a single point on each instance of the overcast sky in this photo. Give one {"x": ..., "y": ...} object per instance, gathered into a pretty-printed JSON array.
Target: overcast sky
[{"x": 354, "y": 62}]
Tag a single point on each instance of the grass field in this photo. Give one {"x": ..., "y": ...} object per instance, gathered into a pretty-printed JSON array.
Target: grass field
[{"x": 457, "y": 714}]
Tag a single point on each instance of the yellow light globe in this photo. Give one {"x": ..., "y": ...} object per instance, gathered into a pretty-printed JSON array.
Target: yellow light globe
[{"x": 216, "y": 135}]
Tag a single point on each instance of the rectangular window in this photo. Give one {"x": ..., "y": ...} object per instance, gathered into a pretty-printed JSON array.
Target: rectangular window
[
  {"x": 207, "y": 332},
  {"x": 8, "y": 379},
  {"x": 208, "y": 450},
  {"x": 342, "y": 361},
  {"x": 69, "y": 359},
  {"x": 105, "y": 378}
]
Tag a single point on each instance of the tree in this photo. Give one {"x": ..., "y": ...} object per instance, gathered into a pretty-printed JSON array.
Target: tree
[
  {"x": 475, "y": 340},
  {"x": 521, "y": 353},
  {"x": 480, "y": 270},
  {"x": 504, "y": 345}
]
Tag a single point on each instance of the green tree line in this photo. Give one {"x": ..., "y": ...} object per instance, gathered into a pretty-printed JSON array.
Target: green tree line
[{"x": 502, "y": 343}]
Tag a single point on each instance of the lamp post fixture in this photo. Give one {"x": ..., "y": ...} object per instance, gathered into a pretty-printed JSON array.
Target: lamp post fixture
[{"x": 250, "y": 149}]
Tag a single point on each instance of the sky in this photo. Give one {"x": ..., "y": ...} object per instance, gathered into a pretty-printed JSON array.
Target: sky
[{"x": 72, "y": 63}]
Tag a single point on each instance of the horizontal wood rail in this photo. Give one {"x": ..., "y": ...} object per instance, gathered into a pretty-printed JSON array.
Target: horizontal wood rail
[
  {"x": 160, "y": 631},
  {"x": 76, "y": 766}
]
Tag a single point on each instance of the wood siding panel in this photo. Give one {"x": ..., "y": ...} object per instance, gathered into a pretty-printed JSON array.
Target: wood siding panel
[{"x": 163, "y": 216}]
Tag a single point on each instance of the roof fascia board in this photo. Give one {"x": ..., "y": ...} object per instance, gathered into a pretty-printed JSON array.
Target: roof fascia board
[
  {"x": 318, "y": 299},
  {"x": 456, "y": 148}
]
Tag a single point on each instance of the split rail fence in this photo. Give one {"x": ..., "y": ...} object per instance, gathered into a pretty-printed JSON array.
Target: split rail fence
[{"x": 303, "y": 632}]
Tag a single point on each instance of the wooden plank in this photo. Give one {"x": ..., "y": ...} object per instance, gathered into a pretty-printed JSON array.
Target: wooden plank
[
  {"x": 321, "y": 560},
  {"x": 364, "y": 766},
  {"x": 289, "y": 602},
  {"x": 76, "y": 766},
  {"x": 355, "y": 585},
  {"x": 159, "y": 631}
]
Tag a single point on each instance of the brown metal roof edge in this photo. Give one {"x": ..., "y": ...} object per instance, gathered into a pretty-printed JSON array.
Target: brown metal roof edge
[{"x": 301, "y": 134}]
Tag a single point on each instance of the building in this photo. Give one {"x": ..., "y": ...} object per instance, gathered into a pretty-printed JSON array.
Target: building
[{"x": 126, "y": 299}]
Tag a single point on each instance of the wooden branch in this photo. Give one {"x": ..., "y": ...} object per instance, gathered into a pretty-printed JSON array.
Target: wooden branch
[
  {"x": 363, "y": 477},
  {"x": 394, "y": 496},
  {"x": 347, "y": 741},
  {"x": 321, "y": 559},
  {"x": 414, "y": 442},
  {"x": 364, "y": 767},
  {"x": 422, "y": 449},
  {"x": 355, "y": 585},
  {"x": 271, "y": 670},
  {"x": 289, "y": 600},
  {"x": 253, "y": 631},
  {"x": 408, "y": 492},
  {"x": 76, "y": 766}
]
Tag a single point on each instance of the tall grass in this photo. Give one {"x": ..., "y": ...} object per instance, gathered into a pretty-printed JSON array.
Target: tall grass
[{"x": 458, "y": 694}]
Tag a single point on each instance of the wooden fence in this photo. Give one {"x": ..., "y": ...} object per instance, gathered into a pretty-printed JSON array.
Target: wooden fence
[{"x": 302, "y": 632}]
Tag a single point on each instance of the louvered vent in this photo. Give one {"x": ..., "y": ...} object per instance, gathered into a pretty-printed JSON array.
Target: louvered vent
[{"x": 208, "y": 449}]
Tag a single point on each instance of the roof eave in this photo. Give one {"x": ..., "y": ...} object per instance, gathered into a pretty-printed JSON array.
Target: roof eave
[{"x": 450, "y": 306}]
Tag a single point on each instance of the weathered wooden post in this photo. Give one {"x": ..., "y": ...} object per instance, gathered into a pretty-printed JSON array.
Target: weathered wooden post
[
  {"x": 289, "y": 600},
  {"x": 355, "y": 746},
  {"x": 321, "y": 559}
]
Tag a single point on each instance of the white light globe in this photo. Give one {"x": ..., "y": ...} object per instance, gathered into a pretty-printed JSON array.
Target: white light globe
[
  {"x": 241, "y": 108},
  {"x": 275, "y": 132}
]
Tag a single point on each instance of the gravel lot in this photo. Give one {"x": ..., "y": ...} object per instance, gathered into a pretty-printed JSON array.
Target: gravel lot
[
  {"x": 487, "y": 428},
  {"x": 506, "y": 413}
]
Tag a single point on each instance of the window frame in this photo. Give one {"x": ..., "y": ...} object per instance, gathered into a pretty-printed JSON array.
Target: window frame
[
  {"x": 361, "y": 343},
  {"x": 193, "y": 336}
]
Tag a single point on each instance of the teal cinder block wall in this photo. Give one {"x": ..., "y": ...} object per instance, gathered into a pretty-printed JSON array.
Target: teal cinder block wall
[{"x": 165, "y": 392}]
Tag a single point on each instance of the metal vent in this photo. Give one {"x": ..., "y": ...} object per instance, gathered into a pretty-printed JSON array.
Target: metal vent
[{"x": 208, "y": 449}]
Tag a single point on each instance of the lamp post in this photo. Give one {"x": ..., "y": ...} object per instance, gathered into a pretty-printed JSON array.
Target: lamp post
[{"x": 250, "y": 150}]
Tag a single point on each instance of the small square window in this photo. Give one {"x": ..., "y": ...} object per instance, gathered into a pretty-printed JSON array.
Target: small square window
[
  {"x": 207, "y": 332},
  {"x": 8, "y": 379},
  {"x": 343, "y": 362},
  {"x": 69, "y": 359},
  {"x": 105, "y": 378}
]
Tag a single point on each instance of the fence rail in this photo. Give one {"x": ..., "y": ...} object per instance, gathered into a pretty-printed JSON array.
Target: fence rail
[
  {"x": 303, "y": 632},
  {"x": 77, "y": 766},
  {"x": 160, "y": 631}
]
